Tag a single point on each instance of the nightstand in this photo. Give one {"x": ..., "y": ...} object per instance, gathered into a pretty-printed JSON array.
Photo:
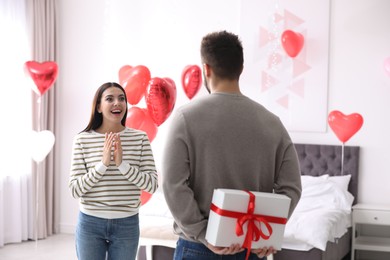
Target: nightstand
[{"x": 370, "y": 231}]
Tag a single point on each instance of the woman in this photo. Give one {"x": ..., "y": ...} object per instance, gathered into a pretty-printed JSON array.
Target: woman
[{"x": 111, "y": 165}]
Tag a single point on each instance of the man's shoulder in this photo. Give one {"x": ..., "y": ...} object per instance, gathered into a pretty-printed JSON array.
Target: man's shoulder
[{"x": 197, "y": 102}]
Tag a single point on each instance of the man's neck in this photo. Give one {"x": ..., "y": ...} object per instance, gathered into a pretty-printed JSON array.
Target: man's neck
[{"x": 226, "y": 86}]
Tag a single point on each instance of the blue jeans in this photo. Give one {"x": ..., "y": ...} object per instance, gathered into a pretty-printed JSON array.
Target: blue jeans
[
  {"x": 112, "y": 239},
  {"x": 196, "y": 251}
]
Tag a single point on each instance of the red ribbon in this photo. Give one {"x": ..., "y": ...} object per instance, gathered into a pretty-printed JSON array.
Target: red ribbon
[{"x": 254, "y": 231}]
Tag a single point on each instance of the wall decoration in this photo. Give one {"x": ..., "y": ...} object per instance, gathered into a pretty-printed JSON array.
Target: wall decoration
[{"x": 286, "y": 52}]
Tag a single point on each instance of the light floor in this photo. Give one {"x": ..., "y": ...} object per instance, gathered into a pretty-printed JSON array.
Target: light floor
[{"x": 58, "y": 247}]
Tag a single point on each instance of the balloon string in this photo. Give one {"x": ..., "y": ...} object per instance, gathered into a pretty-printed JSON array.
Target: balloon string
[
  {"x": 342, "y": 159},
  {"x": 37, "y": 176},
  {"x": 37, "y": 206},
  {"x": 39, "y": 114}
]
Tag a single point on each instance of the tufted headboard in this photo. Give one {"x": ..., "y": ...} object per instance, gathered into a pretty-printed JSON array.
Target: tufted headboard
[{"x": 318, "y": 159}]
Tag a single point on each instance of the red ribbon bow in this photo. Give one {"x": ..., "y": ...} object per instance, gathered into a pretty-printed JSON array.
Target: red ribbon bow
[{"x": 254, "y": 231}]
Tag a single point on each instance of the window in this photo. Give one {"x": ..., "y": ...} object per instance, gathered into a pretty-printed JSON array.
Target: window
[{"x": 15, "y": 101}]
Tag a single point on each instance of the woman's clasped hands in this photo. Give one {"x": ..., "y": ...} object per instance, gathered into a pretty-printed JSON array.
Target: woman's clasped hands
[{"x": 112, "y": 149}]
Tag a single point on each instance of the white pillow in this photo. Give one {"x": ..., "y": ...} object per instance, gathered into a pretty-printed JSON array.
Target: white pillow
[
  {"x": 341, "y": 181},
  {"x": 308, "y": 180}
]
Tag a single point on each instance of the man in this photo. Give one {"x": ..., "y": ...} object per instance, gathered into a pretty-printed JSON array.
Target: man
[{"x": 223, "y": 140}]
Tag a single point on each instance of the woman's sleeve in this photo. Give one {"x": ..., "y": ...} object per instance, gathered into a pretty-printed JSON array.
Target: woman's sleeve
[
  {"x": 145, "y": 176},
  {"x": 81, "y": 179}
]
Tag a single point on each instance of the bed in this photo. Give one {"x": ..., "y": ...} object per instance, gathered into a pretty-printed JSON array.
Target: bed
[{"x": 329, "y": 173}]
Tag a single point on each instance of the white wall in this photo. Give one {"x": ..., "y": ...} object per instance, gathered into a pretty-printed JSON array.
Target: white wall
[{"x": 98, "y": 37}]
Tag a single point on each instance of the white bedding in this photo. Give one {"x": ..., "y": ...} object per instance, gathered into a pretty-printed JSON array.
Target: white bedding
[{"x": 323, "y": 214}]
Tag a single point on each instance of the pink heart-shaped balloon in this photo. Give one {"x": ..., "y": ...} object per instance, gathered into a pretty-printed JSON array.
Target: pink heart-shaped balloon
[
  {"x": 43, "y": 74},
  {"x": 292, "y": 42},
  {"x": 191, "y": 80},
  {"x": 160, "y": 99},
  {"x": 139, "y": 118},
  {"x": 135, "y": 81},
  {"x": 344, "y": 126}
]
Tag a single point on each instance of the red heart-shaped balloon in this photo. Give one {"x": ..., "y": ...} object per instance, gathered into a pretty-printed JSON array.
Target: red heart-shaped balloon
[
  {"x": 135, "y": 81},
  {"x": 43, "y": 74},
  {"x": 172, "y": 93},
  {"x": 292, "y": 42},
  {"x": 344, "y": 126},
  {"x": 145, "y": 197},
  {"x": 139, "y": 118},
  {"x": 123, "y": 74},
  {"x": 191, "y": 80},
  {"x": 160, "y": 99}
]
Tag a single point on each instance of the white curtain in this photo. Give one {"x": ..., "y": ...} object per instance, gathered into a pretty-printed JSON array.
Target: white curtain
[{"x": 16, "y": 210}]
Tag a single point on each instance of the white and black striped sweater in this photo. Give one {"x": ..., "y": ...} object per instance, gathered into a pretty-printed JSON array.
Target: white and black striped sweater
[{"x": 112, "y": 192}]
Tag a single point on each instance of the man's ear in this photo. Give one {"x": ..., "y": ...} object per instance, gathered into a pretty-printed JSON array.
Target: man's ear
[{"x": 207, "y": 70}]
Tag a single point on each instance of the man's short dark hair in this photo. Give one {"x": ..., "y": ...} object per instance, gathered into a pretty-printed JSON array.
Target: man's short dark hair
[{"x": 223, "y": 52}]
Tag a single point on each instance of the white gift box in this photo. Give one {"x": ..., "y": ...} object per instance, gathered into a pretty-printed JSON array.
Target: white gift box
[{"x": 229, "y": 207}]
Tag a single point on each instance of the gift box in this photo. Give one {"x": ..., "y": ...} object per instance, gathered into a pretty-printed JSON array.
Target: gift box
[{"x": 252, "y": 219}]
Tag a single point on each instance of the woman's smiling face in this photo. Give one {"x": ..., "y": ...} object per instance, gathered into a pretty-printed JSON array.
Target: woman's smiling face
[{"x": 113, "y": 105}]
